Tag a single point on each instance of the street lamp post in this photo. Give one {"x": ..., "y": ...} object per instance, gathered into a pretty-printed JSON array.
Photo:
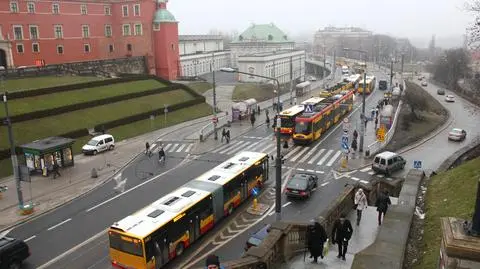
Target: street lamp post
[
  {"x": 215, "y": 133},
  {"x": 278, "y": 160},
  {"x": 362, "y": 125}
]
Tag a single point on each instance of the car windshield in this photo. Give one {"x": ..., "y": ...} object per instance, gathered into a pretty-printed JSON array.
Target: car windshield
[
  {"x": 287, "y": 122},
  {"x": 92, "y": 142},
  {"x": 456, "y": 131},
  {"x": 297, "y": 182}
]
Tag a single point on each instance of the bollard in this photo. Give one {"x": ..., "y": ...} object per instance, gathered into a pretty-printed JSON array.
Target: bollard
[
  {"x": 344, "y": 163},
  {"x": 367, "y": 153},
  {"x": 255, "y": 204},
  {"x": 94, "y": 173},
  {"x": 201, "y": 137},
  {"x": 285, "y": 144}
]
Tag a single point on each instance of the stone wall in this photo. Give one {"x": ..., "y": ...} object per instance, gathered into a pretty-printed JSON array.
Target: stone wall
[
  {"x": 388, "y": 249},
  {"x": 470, "y": 151}
]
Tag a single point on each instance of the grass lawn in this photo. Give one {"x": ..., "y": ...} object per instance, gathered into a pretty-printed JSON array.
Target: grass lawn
[
  {"x": 200, "y": 87},
  {"x": 449, "y": 194},
  {"x": 25, "y": 105},
  {"x": 28, "y": 131},
  {"x": 22, "y": 84},
  {"x": 134, "y": 129},
  {"x": 260, "y": 92}
]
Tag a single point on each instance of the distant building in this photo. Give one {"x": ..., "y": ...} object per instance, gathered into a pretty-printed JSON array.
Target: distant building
[
  {"x": 56, "y": 32},
  {"x": 335, "y": 39}
]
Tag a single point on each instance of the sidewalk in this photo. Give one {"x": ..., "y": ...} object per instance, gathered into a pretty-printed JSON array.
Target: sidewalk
[
  {"x": 363, "y": 235},
  {"x": 47, "y": 193}
]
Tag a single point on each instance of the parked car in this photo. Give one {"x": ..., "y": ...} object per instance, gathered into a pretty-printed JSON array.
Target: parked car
[
  {"x": 388, "y": 162},
  {"x": 441, "y": 92},
  {"x": 257, "y": 238},
  {"x": 98, "y": 144},
  {"x": 449, "y": 98},
  {"x": 424, "y": 83},
  {"x": 382, "y": 85},
  {"x": 301, "y": 185},
  {"x": 12, "y": 252},
  {"x": 457, "y": 134}
]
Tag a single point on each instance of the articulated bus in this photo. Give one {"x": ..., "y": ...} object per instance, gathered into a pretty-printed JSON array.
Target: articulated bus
[
  {"x": 161, "y": 231},
  {"x": 314, "y": 102},
  {"x": 371, "y": 81},
  {"x": 287, "y": 119},
  {"x": 311, "y": 126}
]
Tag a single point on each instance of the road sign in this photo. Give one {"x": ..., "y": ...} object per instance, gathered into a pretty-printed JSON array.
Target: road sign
[
  {"x": 346, "y": 125},
  {"x": 381, "y": 134},
  {"x": 215, "y": 120},
  {"x": 309, "y": 108},
  {"x": 255, "y": 191},
  {"x": 345, "y": 139},
  {"x": 417, "y": 164},
  {"x": 344, "y": 146}
]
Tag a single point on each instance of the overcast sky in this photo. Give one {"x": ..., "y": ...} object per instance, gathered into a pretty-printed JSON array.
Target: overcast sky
[{"x": 415, "y": 19}]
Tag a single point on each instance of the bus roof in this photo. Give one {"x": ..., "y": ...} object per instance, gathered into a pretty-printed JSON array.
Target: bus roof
[
  {"x": 227, "y": 170},
  {"x": 303, "y": 84},
  {"x": 294, "y": 110},
  {"x": 313, "y": 101},
  {"x": 147, "y": 220}
]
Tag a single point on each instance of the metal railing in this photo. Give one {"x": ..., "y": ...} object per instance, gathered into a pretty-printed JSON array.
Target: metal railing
[{"x": 223, "y": 120}]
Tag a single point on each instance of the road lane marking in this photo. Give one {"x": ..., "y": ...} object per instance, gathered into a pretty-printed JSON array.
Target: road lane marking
[
  {"x": 300, "y": 169},
  {"x": 380, "y": 175},
  {"x": 265, "y": 148},
  {"x": 299, "y": 154},
  {"x": 311, "y": 170},
  {"x": 320, "y": 172},
  {"x": 152, "y": 146},
  {"x": 59, "y": 224},
  {"x": 366, "y": 169},
  {"x": 167, "y": 147},
  {"x": 371, "y": 173},
  {"x": 316, "y": 156},
  {"x": 334, "y": 158},
  {"x": 173, "y": 148},
  {"x": 286, "y": 204},
  {"x": 309, "y": 153},
  {"x": 181, "y": 147},
  {"x": 324, "y": 158},
  {"x": 30, "y": 238},
  {"x": 364, "y": 181},
  {"x": 226, "y": 145},
  {"x": 325, "y": 184},
  {"x": 355, "y": 178},
  {"x": 233, "y": 147},
  {"x": 251, "y": 145},
  {"x": 292, "y": 152},
  {"x": 189, "y": 147}
]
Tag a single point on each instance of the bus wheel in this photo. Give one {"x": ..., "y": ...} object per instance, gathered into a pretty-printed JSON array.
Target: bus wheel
[
  {"x": 179, "y": 249},
  {"x": 230, "y": 209}
]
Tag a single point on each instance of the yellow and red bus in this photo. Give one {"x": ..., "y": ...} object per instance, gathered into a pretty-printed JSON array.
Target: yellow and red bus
[
  {"x": 287, "y": 119},
  {"x": 371, "y": 82},
  {"x": 161, "y": 231},
  {"x": 311, "y": 126},
  {"x": 314, "y": 102}
]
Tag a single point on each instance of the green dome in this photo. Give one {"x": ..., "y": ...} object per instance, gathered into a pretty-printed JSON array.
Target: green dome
[{"x": 163, "y": 15}]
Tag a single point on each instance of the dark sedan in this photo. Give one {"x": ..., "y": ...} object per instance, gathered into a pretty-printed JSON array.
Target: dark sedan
[{"x": 301, "y": 185}]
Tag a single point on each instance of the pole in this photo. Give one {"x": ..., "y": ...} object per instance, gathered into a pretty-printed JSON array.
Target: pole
[
  {"x": 215, "y": 133},
  {"x": 13, "y": 154},
  {"x": 291, "y": 81},
  {"x": 278, "y": 165},
  {"x": 324, "y": 63},
  {"x": 360, "y": 149},
  {"x": 334, "y": 64},
  {"x": 401, "y": 68},
  {"x": 391, "y": 73}
]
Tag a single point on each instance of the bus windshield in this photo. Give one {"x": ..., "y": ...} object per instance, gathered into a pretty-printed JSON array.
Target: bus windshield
[
  {"x": 303, "y": 127},
  {"x": 126, "y": 244},
  {"x": 287, "y": 122}
]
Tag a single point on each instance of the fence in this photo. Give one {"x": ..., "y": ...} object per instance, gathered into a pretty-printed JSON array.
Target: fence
[{"x": 223, "y": 120}]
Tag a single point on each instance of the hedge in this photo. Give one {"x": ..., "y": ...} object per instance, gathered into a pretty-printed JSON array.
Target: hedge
[
  {"x": 89, "y": 104},
  {"x": 146, "y": 115},
  {"x": 79, "y": 86}
]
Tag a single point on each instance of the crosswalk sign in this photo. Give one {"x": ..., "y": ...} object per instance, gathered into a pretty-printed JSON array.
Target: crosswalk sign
[
  {"x": 345, "y": 139},
  {"x": 308, "y": 108},
  {"x": 417, "y": 164}
]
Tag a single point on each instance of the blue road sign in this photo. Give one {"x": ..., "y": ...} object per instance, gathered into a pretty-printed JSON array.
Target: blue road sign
[
  {"x": 344, "y": 145},
  {"x": 309, "y": 108},
  {"x": 417, "y": 164},
  {"x": 345, "y": 139},
  {"x": 255, "y": 191}
]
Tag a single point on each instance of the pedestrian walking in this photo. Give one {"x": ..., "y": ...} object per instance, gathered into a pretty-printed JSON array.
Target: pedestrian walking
[
  {"x": 147, "y": 148},
  {"x": 161, "y": 155},
  {"x": 55, "y": 170},
  {"x": 224, "y": 133},
  {"x": 354, "y": 144},
  {"x": 316, "y": 237},
  {"x": 227, "y": 136},
  {"x": 213, "y": 262},
  {"x": 366, "y": 122},
  {"x": 376, "y": 123},
  {"x": 341, "y": 233},
  {"x": 258, "y": 110},
  {"x": 360, "y": 203},
  {"x": 382, "y": 203},
  {"x": 355, "y": 135},
  {"x": 252, "y": 118}
]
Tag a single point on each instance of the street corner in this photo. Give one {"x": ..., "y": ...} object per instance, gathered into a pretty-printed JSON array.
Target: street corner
[
  {"x": 258, "y": 209},
  {"x": 354, "y": 162}
]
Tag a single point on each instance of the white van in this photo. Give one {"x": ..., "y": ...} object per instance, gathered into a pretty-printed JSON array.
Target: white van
[
  {"x": 388, "y": 162},
  {"x": 98, "y": 144}
]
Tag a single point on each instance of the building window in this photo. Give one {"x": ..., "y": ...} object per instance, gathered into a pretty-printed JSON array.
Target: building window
[
  {"x": 18, "y": 32},
  {"x": 136, "y": 10},
  {"x": 138, "y": 29},
  {"x": 86, "y": 48},
  {"x": 126, "y": 29},
  {"x": 83, "y": 9},
  {"x": 125, "y": 11},
  {"x": 156, "y": 26},
  {"x": 107, "y": 10},
  {"x": 20, "y": 48},
  {"x": 33, "y": 32},
  {"x": 108, "y": 30},
  {"x": 59, "y": 49},
  {"x": 58, "y": 31},
  {"x": 35, "y": 47},
  {"x": 31, "y": 7},
  {"x": 14, "y": 7},
  {"x": 85, "y": 31},
  {"x": 56, "y": 8},
  {"x": 110, "y": 48},
  {"x": 129, "y": 47}
]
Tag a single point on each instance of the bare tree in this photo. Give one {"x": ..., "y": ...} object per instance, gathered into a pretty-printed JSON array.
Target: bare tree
[
  {"x": 415, "y": 100},
  {"x": 451, "y": 66},
  {"x": 473, "y": 31}
]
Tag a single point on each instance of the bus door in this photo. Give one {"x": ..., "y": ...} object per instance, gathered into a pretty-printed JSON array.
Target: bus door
[
  {"x": 160, "y": 250},
  {"x": 193, "y": 226},
  {"x": 244, "y": 186}
]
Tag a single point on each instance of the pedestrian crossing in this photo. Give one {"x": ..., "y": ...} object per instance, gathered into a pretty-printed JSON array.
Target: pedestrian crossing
[
  {"x": 297, "y": 154},
  {"x": 174, "y": 147}
]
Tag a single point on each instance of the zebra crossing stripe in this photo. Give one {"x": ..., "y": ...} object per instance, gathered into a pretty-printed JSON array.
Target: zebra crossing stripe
[
  {"x": 334, "y": 158},
  {"x": 309, "y": 154},
  {"x": 295, "y": 150},
  {"x": 355, "y": 178},
  {"x": 265, "y": 148},
  {"x": 227, "y": 146},
  {"x": 316, "y": 156},
  {"x": 252, "y": 145},
  {"x": 189, "y": 147},
  {"x": 181, "y": 147},
  {"x": 232, "y": 149},
  {"x": 239, "y": 148},
  {"x": 364, "y": 181},
  {"x": 299, "y": 154},
  {"x": 167, "y": 147},
  {"x": 173, "y": 148},
  {"x": 380, "y": 175},
  {"x": 366, "y": 169},
  {"x": 322, "y": 160}
]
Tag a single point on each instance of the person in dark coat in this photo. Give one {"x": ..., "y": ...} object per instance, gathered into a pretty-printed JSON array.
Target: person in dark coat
[
  {"x": 382, "y": 203},
  {"x": 55, "y": 170},
  {"x": 315, "y": 240},
  {"x": 252, "y": 118},
  {"x": 341, "y": 233}
]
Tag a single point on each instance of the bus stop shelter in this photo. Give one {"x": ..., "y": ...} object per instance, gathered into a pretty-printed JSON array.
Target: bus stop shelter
[{"x": 40, "y": 155}]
